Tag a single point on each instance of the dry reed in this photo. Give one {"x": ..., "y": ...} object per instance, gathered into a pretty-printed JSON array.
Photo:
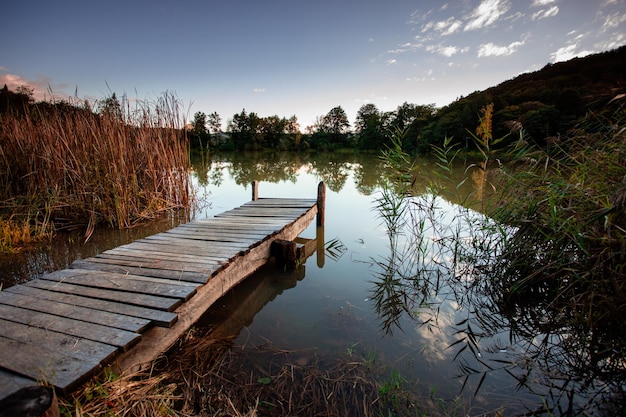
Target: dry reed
[{"x": 66, "y": 165}]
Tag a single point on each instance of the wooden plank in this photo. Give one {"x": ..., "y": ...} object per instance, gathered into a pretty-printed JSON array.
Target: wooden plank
[
  {"x": 157, "y": 340},
  {"x": 231, "y": 227},
  {"x": 10, "y": 383},
  {"x": 34, "y": 362},
  {"x": 208, "y": 238},
  {"x": 175, "y": 254},
  {"x": 142, "y": 300},
  {"x": 250, "y": 236},
  {"x": 195, "y": 244},
  {"x": 188, "y": 276},
  {"x": 157, "y": 317},
  {"x": 75, "y": 347},
  {"x": 121, "y": 283},
  {"x": 192, "y": 250},
  {"x": 137, "y": 262},
  {"x": 105, "y": 318},
  {"x": 282, "y": 202},
  {"x": 120, "y": 338}
]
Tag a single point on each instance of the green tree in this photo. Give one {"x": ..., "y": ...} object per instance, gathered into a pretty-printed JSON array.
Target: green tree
[
  {"x": 199, "y": 124},
  {"x": 214, "y": 122},
  {"x": 368, "y": 125}
]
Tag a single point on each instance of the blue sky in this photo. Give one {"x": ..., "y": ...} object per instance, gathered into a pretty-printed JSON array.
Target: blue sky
[{"x": 297, "y": 57}]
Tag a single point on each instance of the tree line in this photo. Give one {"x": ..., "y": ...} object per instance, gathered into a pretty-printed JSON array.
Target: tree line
[{"x": 547, "y": 103}]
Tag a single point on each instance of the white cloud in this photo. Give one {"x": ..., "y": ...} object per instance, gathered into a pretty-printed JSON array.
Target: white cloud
[
  {"x": 541, "y": 3},
  {"x": 490, "y": 49},
  {"x": 614, "y": 20},
  {"x": 487, "y": 13},
  {"x": 446, "y": 51},
  {"x": 545, "y": 13},
  {"x": 445, "y": 27},
  {"x": 391, "y": 61},
  {"x": 568, "y": 52},
  {"x": 259, "y": 90}
]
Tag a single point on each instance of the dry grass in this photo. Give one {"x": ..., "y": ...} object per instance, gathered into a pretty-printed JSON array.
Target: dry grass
[
  {"x": 65, "y": 165},
  {"x": 133, "y": 394}
]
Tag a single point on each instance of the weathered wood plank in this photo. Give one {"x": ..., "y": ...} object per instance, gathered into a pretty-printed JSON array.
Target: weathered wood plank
[
  {"x": 158, "y": 340},
  {"x": 142, "y": 300},
  {"x": 105, "y": 318},
  {"x": 116, "y": 337},
  {"x": 175, "y": 254},
  {"x": 75, "y": 347},
  {"x": 188, "y": 276},
  {"x": 123, "y": 260},
  {"x": 157, "y": 317},
  {"x": 134, "y": 285},
  {"x": 208, "y": 238},
  {"x": 191, "y": 250},
  {"x": 303, "y": 203},
  {"x": 122, "y": 283},
  {"x": 195, "y": 244},
  {"x": 34, "y": 362}
]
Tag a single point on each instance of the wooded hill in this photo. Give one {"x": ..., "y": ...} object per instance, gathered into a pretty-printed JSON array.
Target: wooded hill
[{"x": 547, "y": 103}]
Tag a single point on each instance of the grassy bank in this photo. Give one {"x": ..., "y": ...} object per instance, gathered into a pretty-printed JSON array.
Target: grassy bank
[{"x": 65, "y": 166}]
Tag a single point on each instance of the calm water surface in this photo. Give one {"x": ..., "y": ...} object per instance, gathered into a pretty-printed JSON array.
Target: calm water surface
[{"x": 327, "y": 306}]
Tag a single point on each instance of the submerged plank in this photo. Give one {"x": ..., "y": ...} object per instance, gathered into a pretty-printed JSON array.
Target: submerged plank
[{"x": 157, "y": 317}]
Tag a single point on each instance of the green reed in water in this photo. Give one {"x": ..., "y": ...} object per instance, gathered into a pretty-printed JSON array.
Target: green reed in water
[{"x": 543, "y": 259}]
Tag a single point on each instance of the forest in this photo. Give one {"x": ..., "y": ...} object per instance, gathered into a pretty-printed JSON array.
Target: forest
[{"x": 547, "y": 104}]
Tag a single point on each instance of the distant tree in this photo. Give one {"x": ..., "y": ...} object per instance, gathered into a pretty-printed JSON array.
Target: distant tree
[
  {"x": 272, "y": 129},
  {"x": 368, "y": 125},
  {"x": 336, "y": 122},
  {"x": 199, "y": 124},
  {"x": 16, "y": 101},
  {"x": 214, "y": 122}
]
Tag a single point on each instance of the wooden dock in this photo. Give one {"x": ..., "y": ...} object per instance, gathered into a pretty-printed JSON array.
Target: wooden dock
[{"x": 128, "y": 305}]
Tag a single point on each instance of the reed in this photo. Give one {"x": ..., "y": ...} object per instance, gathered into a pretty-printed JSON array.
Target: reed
[{"x": 66, "y": 165}]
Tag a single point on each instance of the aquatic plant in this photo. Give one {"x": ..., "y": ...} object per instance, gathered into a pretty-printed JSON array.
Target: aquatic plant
[{"x": 542, "y": 261}]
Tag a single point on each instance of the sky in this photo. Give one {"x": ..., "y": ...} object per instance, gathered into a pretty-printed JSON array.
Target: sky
[{"x": 296, "y": 57}]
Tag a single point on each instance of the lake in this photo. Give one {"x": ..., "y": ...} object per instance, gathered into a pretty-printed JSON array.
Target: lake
[{"x": 443, "y": 338}]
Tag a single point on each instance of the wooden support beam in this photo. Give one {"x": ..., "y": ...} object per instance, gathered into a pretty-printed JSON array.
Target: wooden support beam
[
  {"x": 286, "y": 253},
  {"x": 321, "y": 203},
  {"x": 255, "y": 190}
]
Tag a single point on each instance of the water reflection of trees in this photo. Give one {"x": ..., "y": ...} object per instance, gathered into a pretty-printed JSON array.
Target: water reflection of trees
[
  {"x": 448, "y": 257},
  {"x": 333, "y": 169}
]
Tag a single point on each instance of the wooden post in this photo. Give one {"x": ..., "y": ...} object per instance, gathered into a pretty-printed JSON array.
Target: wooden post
[
  {"x": 321, "y": 203},
  {"x": 286, "y": 253},
  {"x": 321, "y": 254},
  {"x": 255, "y": 190}
]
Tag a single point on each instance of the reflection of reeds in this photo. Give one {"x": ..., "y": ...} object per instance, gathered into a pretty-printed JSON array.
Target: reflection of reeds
[{"x": 66, "y": 165}]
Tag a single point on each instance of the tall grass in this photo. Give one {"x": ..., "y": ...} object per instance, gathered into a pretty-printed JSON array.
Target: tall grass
[{"x": 65, "y": 165}]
